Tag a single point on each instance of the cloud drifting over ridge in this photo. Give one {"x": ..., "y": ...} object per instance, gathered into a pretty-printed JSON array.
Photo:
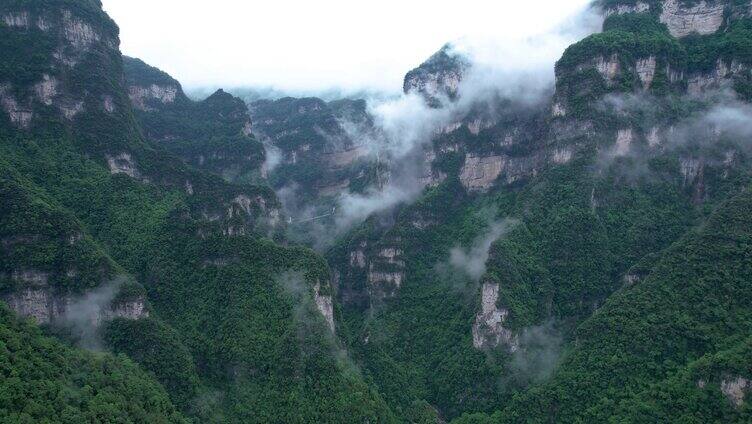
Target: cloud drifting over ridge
[
  {"x": 517, "y": 68},
  {"x": 296, "y": 45}
]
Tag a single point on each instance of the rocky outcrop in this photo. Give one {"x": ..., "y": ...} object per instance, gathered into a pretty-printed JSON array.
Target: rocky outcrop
[
  {"x": 703, "y": 18},
  {"x": 391, "y": 255},
  {"x": 358, "y": 258},
  {"x": 46, "y": 89},
  {"x": 624, "y": 138},
  {"x": 378, "y": 279},
  {"x": 321, "y": 144},
  {"x": 34, "y": 303},
  {"x": 46, "y": 92},
  {"x": 140, "y": 96},
  {"x": 133, "y": 309},
  {"x": 558, "y": 110},
  {"x": 608, "y": 67},
  {"x": 79, "y": 33},
  {"x": 76, "y": 37},
  {"x": 481, "y": 172},
  {"x": 45, "y": 307},
  {"x": 434, "y": 85},
  {"x": 17, "y": 115},
  {"x": 345, "y": 157},
  {"x": 430, "y": 177},
  {"x": 735, "y": 389},
  {"x": 108, "y": 103},
  {"x": 324, "y": 304},
  {"x": 243, "y": 211},
  {"x": 690, "y": 169},
  {"x": 386, "y": 272},
  {"x": 123, "y": 163},
  {"x": 561, "y": 156},
  {"x": 719, "y": 77},
  {"x": 488, "y": 329},
  {"x": 70, "y": 109},
  {"x": 681, "y": 18},
  {"x": 437, "y": 79},
  {"x": 17, "y": 20},
  {"x": 645, "y": 69},
  {"x": 621, "y": 9},
  {"x": 653, "y": 137}
]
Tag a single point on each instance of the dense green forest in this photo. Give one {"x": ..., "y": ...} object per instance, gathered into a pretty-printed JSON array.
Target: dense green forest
[
  {"x": 143, "y": 237},
  {"x": 46, "y": 381},
  {"x": 233, "y": 333}
]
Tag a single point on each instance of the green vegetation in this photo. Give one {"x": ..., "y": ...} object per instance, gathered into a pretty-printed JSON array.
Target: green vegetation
[
  {"x": 45, "y": 381},
  {"x": 211, "y": 134},
  {"x": 563, "y": 260},
  {"x": 228, "y": 340},
  {"x": 582, "y": 228},
  {"x": 681, "y": 324},
  {"x": 318, "y": 147},
  {"x": 631, "y": 273},
  {"x": 634, "y": 36}
]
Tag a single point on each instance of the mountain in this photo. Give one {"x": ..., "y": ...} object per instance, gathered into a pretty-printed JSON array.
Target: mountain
[
  {"x": 438, "y": 78},
  {"x": 213, "y": 134},
  {"x": 582, "y": 255},
  {"x": 117, "y": 239},
  {"x": 636, "y": 150},
  {"x": 321, "y": 146}
]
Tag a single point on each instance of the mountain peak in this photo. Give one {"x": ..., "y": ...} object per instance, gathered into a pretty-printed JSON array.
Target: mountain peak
[{"x": 438, "y": 78}]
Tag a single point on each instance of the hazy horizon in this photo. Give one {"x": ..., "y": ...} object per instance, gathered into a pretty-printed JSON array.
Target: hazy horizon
[{"x": 333, "y": 46}]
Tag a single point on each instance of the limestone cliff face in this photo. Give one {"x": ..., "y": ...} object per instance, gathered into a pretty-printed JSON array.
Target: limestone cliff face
[
  {"x": 318, "y": 149},
  {"x": 735, "y": 390},
  {"x": 213, "y": 134},
  {"x": 386, "y": 271},
  {"x": 325, "y": 305},
  {"x": 488, "y": 329},
  {"x": 47, "y": 306},
  {"x": 665, "y": 66},
  {"x": 150, "y": 89},
  {"x": 620, "y": 9},
  {"x": 76, "y": 90},
  {"x": 123, "y": 163},
  {"x": 437, "y": 79},
  {"x": 645, "y": 69},
  {"x": 141, "y": 96},
  {"x": 373, "y": 273},
  {"x": 682, "y": 18},
  {"x": 310, "y": 127},
  {"x": 613, "y": 70},
  {"x": 480, "y": 173},
  {"x": 722, "y": 76},
  {"x": 703, "y": 18},
  {"x": 508, "y": 148},
  {"x": 77, "y": 37}
]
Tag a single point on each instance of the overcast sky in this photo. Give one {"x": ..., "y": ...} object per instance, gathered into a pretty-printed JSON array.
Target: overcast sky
[{"x": 324, "y": 44}]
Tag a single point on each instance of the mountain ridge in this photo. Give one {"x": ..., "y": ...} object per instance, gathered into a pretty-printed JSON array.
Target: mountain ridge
[{"x": 582, "y": 257}]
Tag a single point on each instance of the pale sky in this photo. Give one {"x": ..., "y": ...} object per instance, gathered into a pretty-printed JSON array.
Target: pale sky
[{"x": 323, "y": 44}]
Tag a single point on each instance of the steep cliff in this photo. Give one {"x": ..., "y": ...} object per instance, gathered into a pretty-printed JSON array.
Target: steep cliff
[
  {"x": 579, "y": 258},
  {"x": 319, "y": 148},
  {"x": 86, "y": 198},
  {"x": 631, "y": 151},
  {"x": 213, "y": 134},
  {"x": 438, "y": 78}
]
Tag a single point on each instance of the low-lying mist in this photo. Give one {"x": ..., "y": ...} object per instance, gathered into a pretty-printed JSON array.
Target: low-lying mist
[{"x": 519, "y": 70}]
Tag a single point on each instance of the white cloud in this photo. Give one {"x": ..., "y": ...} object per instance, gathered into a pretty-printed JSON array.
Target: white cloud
[{"x": 299, "y": 45}]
